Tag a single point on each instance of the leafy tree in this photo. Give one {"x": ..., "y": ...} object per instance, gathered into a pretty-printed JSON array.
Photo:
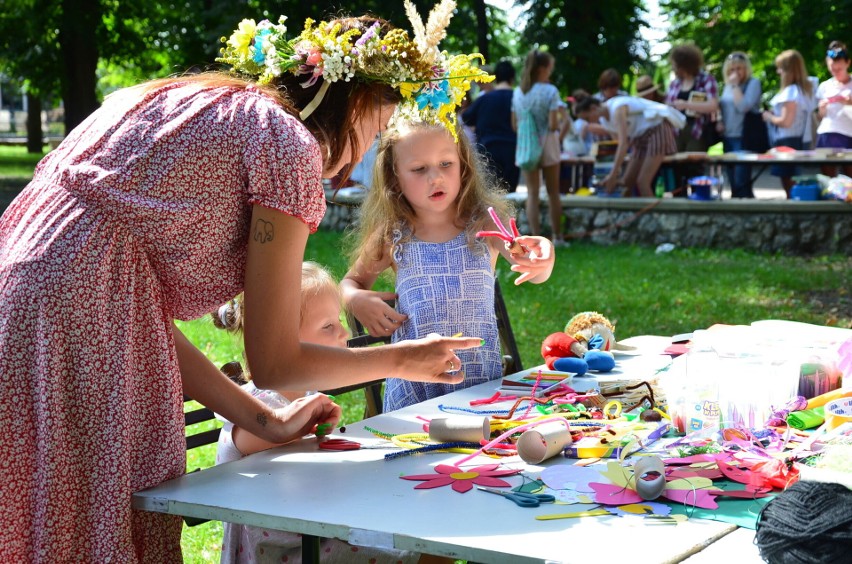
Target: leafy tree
[
  {"x": 585, "y": 37},
  {"x": 761, "y": 28}
]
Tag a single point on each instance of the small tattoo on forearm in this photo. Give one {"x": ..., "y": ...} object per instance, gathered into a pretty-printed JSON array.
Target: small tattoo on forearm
[
  {"x": 261, "y": 418},
  {"x": 263, "y": 231}
]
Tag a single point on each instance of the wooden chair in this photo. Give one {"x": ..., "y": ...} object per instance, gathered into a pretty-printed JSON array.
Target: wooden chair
[{"x": 373, "y": 390}]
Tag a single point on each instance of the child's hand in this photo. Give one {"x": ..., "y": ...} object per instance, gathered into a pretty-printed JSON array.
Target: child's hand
[
  {"x": 371, "y": 309},
  {"x": 538, "y": 264},
  {"x": 304, "y": 414}
]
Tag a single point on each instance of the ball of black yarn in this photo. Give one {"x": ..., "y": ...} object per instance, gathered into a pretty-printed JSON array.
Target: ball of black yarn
[{"x": 808, "y": 522}]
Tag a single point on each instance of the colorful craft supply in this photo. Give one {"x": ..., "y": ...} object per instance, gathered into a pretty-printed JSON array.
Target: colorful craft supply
[
  {"x": 443, "y": 447},
  {"x": 543, "y": 442},
  {"x": 508, "y": 237},
  {"x": 838, "y": 412},
  {"x": 576, "y": 514},
  {"x": 513, "y": 431},
  {"x": 463, "y": 480},
  {"x": 807, "y": 418}
]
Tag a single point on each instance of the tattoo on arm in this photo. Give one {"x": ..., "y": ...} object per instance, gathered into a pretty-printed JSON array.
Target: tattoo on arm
[
  {"x": 261, "y": 418},
  {"x": 263, "y": 231}
]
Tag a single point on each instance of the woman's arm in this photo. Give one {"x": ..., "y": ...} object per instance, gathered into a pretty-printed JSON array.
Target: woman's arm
[
  {"x": 204, "y": 383},
  {"x": 785, "y": 119},
  {"x": 272, "y": 299},
  {"x": 619, "y": 121},
  {"x": 369, "y": 307}
]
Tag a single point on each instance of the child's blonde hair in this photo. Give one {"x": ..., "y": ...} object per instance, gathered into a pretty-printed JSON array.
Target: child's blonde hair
[
  {"x": 316, "y": 281},
  {"x": 385, "y": 209}
]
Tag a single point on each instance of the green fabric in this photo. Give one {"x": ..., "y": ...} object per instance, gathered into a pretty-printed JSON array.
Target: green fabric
[{"x": 807, "y": 418}]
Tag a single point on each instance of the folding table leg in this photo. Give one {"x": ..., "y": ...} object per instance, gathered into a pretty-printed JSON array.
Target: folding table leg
[{"x": 310, "y": 549}]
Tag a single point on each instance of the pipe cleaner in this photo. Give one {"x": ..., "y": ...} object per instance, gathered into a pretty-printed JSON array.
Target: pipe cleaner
[{"x": 508, "y": 237}]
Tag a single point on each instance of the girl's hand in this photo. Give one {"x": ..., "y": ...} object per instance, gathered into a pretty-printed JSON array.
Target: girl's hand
[
  {"x": 538, "y": 264},
  {"x": 767, "y": 116},
  {"x": 610, "y": 182},
  {"x": 301, "y": 417},
  {"x": 372, "y": 310},
  {"x": 432, "y": 359}
]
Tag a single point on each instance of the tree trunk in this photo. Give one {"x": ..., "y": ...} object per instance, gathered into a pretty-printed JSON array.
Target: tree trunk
[
  {"x": 35, "y": 141},
  {"x": 481, "y": 28},
  {"x": 77, "y": 39}
]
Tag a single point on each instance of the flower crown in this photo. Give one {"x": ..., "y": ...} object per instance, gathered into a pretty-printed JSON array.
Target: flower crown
[{"x": 432, "y": 83}]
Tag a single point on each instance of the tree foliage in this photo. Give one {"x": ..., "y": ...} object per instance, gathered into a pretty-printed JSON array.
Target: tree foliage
[
  {"x": 761, "y": 28},
  {"x": 585, "y": 37}
]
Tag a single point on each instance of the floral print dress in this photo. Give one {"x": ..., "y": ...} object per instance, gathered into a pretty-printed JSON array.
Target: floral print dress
[{"x": 139, "y": 217}]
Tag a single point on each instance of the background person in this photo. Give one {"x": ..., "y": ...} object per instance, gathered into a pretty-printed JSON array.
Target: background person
[
  {"x": 491, "y": 117},
  {"x": 695, "y": 93},
  {"x": 609, "y": 85},
  {"x": 541, "y": 98},
  {"x": 167, "y": 201},
  {"x": 790, "y": 111},
  {"x": 740, "y": 96},
  {"x": 835, "y": 105}
]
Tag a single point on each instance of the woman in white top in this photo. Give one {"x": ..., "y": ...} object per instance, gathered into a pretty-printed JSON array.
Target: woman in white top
[
  {"x": 835, "y": 105},
  {"x": 790, "y": 112},
  {"x": 542, "y": 99}
]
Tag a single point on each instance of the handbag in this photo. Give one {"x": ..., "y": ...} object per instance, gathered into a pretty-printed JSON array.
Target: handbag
[
  {"x": 551, "y": 152},
  {"x": 528, "y": 149},
  {"x": 755, "y": 133}
]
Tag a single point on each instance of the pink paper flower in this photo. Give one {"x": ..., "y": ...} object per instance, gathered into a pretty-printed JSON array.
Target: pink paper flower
[{"x": 463, "y": 480}]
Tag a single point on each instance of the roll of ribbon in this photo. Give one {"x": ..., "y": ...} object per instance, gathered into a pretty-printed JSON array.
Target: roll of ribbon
[
  {"x": 543, "y": 442},
  {"x": 838, "y": 412},
  {"x": 462, "y": 428}
]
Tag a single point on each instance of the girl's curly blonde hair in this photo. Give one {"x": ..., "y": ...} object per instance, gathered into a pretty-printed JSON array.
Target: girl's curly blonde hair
[{"x": 385, "y": 209}]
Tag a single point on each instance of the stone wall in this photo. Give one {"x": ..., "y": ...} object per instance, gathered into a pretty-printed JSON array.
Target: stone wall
[{"x": 766, "y": 226}]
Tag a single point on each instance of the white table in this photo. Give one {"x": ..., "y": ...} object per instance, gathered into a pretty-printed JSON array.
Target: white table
[{"x": 357, "y": 496}]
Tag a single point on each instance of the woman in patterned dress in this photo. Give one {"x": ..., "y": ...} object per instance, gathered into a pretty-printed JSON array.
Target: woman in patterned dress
[
  {"x": 167, "y": 201},
  {"x": 421, "y": 219}
]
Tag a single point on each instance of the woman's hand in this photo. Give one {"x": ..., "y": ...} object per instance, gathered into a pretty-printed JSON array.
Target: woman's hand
[
  {"x": 433, "y": 358},
  {"x": 767, "y": 116},
  {"x": 301, "y": 417},
  {"x": 536, "y": 265},
  {"x": 372, "y": 310}
]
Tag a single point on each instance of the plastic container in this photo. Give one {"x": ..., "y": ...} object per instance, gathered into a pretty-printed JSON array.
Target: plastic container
[
  {"x": 703, "y": 187},
  {"x": 701, "y": 392},
  {"x": 805, "y": 192}
]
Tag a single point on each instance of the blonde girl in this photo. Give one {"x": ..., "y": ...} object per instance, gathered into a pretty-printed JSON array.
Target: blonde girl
[
  {"x": 740, "y": 96},
  {"x": 791, "y": 108},
  {"x": 420, "y": 220}
]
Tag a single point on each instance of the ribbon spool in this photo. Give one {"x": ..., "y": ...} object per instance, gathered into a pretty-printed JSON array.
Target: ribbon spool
[
  {"x": 543, "y": 442},
  {"x": 838, "y": 412},
  {"x": 459, "y": 429}
]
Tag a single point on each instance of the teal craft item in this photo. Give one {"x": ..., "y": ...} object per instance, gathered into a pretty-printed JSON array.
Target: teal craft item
[{"x": 806, "y": 418}]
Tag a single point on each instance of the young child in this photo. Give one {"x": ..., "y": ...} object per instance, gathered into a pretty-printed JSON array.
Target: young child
[
  {"x": 319, "y": 324},
  {"x": 429, "y": 200}
]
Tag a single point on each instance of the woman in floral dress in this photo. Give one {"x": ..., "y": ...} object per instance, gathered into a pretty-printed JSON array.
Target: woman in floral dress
[{"x": 169, "y": 200}]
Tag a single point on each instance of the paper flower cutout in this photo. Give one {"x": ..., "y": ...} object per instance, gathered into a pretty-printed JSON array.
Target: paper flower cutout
[
  {"x": 696, "y": 491},
  {"x": 644, "y": 508},
  {"x": 463, "y": 480}
]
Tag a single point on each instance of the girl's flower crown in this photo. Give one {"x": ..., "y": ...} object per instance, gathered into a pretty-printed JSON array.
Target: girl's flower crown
[{"x": 431, "y": 82}]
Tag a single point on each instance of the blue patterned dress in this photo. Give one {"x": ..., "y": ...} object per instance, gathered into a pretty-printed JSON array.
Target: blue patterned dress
[{"x": 445, "y": 288}]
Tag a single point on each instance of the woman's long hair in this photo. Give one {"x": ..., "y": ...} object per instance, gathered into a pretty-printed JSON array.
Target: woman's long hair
[
  {"x": 793, "y": 65},
  {"x": 535, "y": 60}
]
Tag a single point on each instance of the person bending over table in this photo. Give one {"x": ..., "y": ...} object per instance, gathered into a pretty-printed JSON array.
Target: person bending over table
[
  {"x": 639, "y": 125},
  {"x": 167, "y": 201}
]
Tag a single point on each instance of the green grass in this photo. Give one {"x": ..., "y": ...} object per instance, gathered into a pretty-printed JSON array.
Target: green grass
[
  {"x": 640, "y": 291},
  {"x": 17, "y": 163}
]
